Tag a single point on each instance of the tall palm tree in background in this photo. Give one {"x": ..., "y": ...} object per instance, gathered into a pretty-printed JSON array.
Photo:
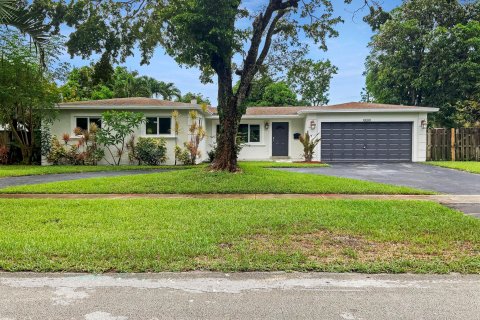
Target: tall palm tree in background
[
  {"x": 23, "y": 20},
  {"x": 168, "y": 90}
]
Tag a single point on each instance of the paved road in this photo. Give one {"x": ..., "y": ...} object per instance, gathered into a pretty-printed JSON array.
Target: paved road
[
  {"x": 238, "y": 296},
  {"x": 18, "y": 181},
  {"x": 414, "y": 175}
]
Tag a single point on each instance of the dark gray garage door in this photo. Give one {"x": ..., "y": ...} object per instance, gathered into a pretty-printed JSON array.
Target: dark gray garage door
[{"x": 366, "y": 141}]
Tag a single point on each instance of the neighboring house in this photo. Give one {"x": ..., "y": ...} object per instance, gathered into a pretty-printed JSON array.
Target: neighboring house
[{"x": 350, "y": 132}]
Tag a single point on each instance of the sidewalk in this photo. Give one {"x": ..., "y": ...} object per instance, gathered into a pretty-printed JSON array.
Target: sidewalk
[
  {"x": 469, "y": 204},
  {"x": 444, "y": 199}
]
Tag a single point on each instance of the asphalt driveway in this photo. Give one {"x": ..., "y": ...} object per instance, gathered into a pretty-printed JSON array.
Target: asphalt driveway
[{"x": 414, "y": 175}]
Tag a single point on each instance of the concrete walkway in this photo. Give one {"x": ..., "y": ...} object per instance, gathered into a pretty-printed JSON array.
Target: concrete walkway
[
  {"x": 204, "y": 295},
  {"x": 37, "y": 179},
  {"x": 469, "y": 204}
]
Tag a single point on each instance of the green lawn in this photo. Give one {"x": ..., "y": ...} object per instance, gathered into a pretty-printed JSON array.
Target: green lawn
[
  {"x": 469, "y": 166},
  {"x": 254, "y": 178},
  {"x": 236, "y": 235},
  {"x": 24, "y": 170}
]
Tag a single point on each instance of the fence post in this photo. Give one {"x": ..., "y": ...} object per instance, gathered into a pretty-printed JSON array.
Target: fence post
[{"x": 452, "y": 143}]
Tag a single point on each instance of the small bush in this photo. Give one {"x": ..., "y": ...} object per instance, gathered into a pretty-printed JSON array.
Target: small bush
[
  {"x": 183, "y": 155},
  {"x": 85, "y": 152},
  {"x": 309, "y": 144},
  {"x": 150, "y": 151},
  {"x": 3, "y": 154},
  {"x": 211, "y": 155}
]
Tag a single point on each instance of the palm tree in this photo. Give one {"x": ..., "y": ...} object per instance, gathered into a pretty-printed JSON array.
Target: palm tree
[
  {"x": 24, "y": 21},
  {"x": 160, "y": 88},
  {"x": 168, "y": 90},
  {"x": 152, "y": 84}
]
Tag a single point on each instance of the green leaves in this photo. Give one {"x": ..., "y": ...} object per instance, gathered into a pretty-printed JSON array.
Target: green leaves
[
  {"x": 27, "y": 23},
  {"x": 116, "y": 127},
  {"x": 312, "y": 80},
  {"x": 27, "y": 93},
  {"x": 427, "y": 54}
]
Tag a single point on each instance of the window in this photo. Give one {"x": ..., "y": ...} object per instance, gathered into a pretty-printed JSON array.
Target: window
[
  {"x": 158, "y": 125},
  {"x": 243, "y": 133},
  {"x": 84, "y": 122},
  {"x": 254, "y": 133},
  {"x": 247, "y": 133}
]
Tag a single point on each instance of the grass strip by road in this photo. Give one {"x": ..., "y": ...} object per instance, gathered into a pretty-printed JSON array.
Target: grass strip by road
[
  {"x": 254, "y": 178},
  {"x": 468, "y": 166},
  {"x": 236, "y": 235}
]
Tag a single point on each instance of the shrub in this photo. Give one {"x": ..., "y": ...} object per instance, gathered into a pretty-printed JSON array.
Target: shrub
[
  {"x": 196, "y": 134},
  {"x": 132, "y": 152},
  {"x": 211, "y": 155},
  {"x": 183, "y": 155},
  {"x": 150, "y": 151},
  {"x": 58, "y": 152},
  {"x": 309, "y": 143},
  {"x": 4, "y": 150},
  {"x": 3, "y": 154},
  {"x": 116, "y": 127},
  {"x": 85, "y": 152}
]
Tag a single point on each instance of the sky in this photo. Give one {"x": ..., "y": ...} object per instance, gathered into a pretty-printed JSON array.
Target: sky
[{"x": 347, "y": 51}]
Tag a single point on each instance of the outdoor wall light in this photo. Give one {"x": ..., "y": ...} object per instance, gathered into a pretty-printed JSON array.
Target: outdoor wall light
[
  {"x": 423, "y": 124},
  {"x": 267, "y": 125},
  {"x": 313, "y": 125}
]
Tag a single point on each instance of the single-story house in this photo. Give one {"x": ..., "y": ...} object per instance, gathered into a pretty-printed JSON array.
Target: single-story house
[{"x": 349, "y": 132}]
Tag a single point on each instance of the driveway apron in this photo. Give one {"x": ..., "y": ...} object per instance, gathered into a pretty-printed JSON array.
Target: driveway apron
[{"x": 415, "y": 175}]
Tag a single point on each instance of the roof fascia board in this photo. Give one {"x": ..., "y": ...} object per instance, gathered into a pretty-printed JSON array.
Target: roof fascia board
[
  {"x": 420, "y": 110},
  {"x": 137, "y": 107},
  {"x": 252, "y": 117}
]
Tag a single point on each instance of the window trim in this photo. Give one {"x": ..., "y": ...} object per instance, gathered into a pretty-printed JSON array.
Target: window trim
[{"x": 171, "y": 134}]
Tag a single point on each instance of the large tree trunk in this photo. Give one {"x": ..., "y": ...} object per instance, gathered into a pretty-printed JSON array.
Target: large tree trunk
[
  {"x": 230, "y": 115},
  {"x": 230, "y": 107}
]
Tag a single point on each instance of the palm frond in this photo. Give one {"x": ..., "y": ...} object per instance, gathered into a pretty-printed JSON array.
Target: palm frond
[
  {"x": 6, "y": 10},
  {"x": 27, "y": 24}
]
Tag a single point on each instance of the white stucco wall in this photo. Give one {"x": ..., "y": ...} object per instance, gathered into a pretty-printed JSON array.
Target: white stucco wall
[
  {"x": 263, "y": 150},
  {"x": 419, "y": 135},
  {"x": 66, "y": 123}
]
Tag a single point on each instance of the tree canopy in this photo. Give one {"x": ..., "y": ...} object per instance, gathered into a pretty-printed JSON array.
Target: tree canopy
[
  {"x": 28, "y": 93},
  {"x": 222, "y": 38},
  {"x": 102, "y": 81},
  {"x": 427, "y": 53},
  {"x": 189, "y": 96},
  {"x": 312, "y": 80}
]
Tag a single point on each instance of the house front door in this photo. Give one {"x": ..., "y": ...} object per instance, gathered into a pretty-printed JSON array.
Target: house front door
[{"x": 280, "y": 139}]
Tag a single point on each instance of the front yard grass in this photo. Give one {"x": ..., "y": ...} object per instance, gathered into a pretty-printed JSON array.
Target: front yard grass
[
  {"x": 30, "y": 170},
  {"x": 469, "y": 166},
  {"x": 236, "y": 235},
  {"x": 25, "y": 170},
  {"x": 254, "y": 178}
]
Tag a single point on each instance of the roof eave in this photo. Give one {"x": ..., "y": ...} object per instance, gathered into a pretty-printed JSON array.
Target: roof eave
[
  {"x": 126, "y": 107},
  {"x": 409, "y": 110},
  {"x": 263, "y": 116}
]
